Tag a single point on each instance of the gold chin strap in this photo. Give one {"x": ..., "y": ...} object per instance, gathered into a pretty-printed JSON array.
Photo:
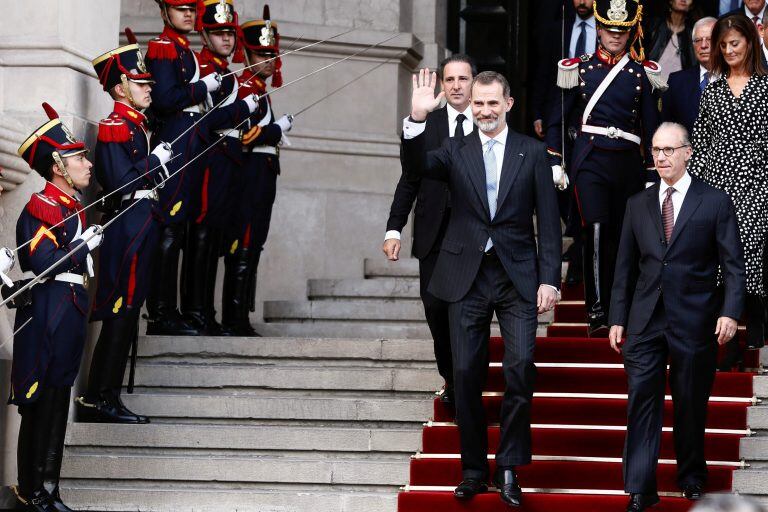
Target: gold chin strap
[
  {"x": 127, "y": 91},
  {"x": 60, "y": 162}
]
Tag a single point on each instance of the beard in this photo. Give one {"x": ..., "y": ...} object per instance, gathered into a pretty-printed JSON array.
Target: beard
[{"x": 487, "y": 125}]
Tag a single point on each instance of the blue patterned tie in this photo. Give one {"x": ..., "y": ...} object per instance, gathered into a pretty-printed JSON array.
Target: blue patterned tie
[
  {"x": 704, "y": 82},
  {"x": 581, "y": 41},
  {"x": 491, "y": 182}
]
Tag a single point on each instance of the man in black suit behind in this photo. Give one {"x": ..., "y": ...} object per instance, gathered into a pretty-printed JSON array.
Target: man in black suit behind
[
  {"x": 680, "y": 103},
  {"x": 433, "y": 206},
  {"x": 676, "y": 234},
  {"x": 489, "y": 263}
]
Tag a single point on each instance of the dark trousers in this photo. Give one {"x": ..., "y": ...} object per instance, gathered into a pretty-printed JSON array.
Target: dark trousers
[
  {"x": 436, "y": 311},
  {"x": 692, "y": 373},
  {"x": 470, "y": 319}
]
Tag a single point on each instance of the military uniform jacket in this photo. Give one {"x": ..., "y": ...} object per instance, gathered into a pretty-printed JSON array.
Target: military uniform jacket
[
  {"x": 628, "y": 104},
  {"x": 47, "y": 350},
  {"x": 179, "y": 101},
  {"x": 260, "y": 130},
  {"x": 123, "y": 160}
]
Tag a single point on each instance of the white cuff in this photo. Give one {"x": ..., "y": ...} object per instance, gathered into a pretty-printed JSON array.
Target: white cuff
[
  {"x": 411, "y": 129},
  {"x": 557, "y": 290},
  {"x": 392, "y": 234}
]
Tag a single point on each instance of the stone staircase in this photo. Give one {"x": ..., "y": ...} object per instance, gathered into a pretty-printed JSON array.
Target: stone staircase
[{"x": 322, "y": 415}]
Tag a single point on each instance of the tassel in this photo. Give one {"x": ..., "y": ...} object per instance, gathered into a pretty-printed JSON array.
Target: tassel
[
  {"x": 568, "y": 73},
  {"x": 130, "y": 36},
  {"x": 160, "y": 49},
  {"x": 44, "y": 209},
  {"x": 113, "y": 130},
  {"x": 653, "y": 72}
]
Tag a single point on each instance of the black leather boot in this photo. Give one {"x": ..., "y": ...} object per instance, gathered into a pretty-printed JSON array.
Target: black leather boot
[
  {"x": 32, "y": 451},
  {"x": 194, "y": 280},
  {"x": 754, "y": 310},
  {"x": 212, "y": 270},
  {"x": 164, "y": 318},
  {"x": 234, "y": 301},
  {"x": 55, "y": 451},
  {"x": 597, "y": 316}
]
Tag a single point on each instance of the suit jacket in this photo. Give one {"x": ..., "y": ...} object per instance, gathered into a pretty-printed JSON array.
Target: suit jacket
[
  {"x": 525, "y": 188},
  {"x": 683, "y": 271},
  {"x": 431, "y": 196},
  {"x": 680, "y": 103}
]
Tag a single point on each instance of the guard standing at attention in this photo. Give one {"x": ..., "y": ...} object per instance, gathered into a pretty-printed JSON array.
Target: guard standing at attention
[
  {"x": 124, "y": 162},
  {"x": 51, "y": 319},
  {"x": 610, "y": 98},
  {"x": 256, "y": 184}
]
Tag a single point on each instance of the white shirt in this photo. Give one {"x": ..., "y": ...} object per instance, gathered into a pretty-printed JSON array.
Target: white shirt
[
  {"x": 678, "y": 196},
  {"x": 411, "y": 130},
  {"x": 750, "y": 15},
  {"x": 591, "y": 29}
]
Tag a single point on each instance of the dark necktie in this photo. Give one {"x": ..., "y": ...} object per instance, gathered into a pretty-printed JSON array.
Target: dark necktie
[
  {"x": 581, "y": 42},
  {"x": 668, "y": 214},
  {"x": 756, "y": 20},
  {"x": 459, "y": 132}
]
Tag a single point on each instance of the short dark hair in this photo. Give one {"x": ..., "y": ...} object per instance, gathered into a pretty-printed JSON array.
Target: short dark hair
[
  {"x": 489, "y": 77},
  {"x": 740, "y": 23},
  {"x": 457, "y": 57}
]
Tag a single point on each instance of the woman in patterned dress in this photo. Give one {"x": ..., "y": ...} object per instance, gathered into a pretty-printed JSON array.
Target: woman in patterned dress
[{"x": 730, "y": 152}]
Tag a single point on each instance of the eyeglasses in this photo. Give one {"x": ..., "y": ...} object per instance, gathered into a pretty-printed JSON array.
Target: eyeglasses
[
  {"x": 667, "y": 151},
  {"x": 700, "y": 40}
]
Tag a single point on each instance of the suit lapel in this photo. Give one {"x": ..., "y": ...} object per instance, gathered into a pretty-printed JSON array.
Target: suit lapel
[
  {"x": 513, "y": 159},
  {"x": 441, "y": 118},
  {"x": 690, "y": 204},
  {"x": 652, "y": 202},
  {"x": 472, "y": 152},
  {"x": 696, "y": 83}
]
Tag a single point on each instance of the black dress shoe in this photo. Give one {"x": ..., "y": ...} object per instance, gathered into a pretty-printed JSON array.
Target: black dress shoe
[
  {"x": 509, "y": 490},
  {"x": 639, "y": 502},
  {"x": 469, "y": 487},
  {"x": 172, "y": 325},
  {"x": 39, "y": 501},
  {"x": 598, "y": 325},
  {"x": 107, "y": 411},
  {"x": 446, "y": 395},
  {"x": 693, "y": 492}
]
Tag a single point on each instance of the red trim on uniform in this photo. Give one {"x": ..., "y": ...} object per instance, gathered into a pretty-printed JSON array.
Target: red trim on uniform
[
  {"x": 578, "y": 205},
  {"x": 132, "y": 279},
  {"x": 171, "y": 34},
  {"x": 204, "y": 196},
  {"x": 247, "y": 236}
]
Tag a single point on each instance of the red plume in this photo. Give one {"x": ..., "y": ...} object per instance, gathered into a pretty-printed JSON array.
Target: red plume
[
  {"x": 239, "y": 56},
  {"x": 130, "y": 36},
  {"x": 52, "y": 114},
  {"x": 266, "y": 12},
  {"x": 200, "y": 13}
]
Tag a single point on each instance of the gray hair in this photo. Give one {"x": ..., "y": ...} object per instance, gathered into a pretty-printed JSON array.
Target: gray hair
[
  {"x": 703, "y": 21},
  {"x": 666, "y": 125},
  {"x": 727, "y": 503}
]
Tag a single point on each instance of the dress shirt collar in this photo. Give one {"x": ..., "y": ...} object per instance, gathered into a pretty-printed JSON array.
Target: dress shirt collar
[
  {"x": 591, "y": 23},
  {"x": 453, "y": 113},
  {"x": 703, "y": 71},
  {"x": 751, "y": 15},
  {"x": 680, "y": 185},
  {"x": 501, "y": 138}
]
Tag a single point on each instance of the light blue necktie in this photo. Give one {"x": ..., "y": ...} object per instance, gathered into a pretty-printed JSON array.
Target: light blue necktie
[
  {"x": 491, "y": 182},
  {"x": 704, "y": 82}
]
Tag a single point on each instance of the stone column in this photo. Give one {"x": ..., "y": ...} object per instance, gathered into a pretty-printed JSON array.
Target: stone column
[{"x": 45, "y": 51}]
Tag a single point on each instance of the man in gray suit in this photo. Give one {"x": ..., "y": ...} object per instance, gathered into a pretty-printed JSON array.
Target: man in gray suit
[{"x": 489, "y": 263}]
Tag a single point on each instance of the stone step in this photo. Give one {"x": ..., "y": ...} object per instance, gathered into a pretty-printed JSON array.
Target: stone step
[
  {"x": 757, "y": 417},
  {"x": 222, "y": 466},
  {"x": 354, "y": 350},
  {"x": 245, "y": 437},
  {"x": 238, "y": 408},
  {"x": 760, "y": 385},
  {"x": 325, "y": 377},
  {"x": 751, "y": 481},
  {"x": 754, "y": 448},
  {"x": 356, "y": 329},
  {"x": 380, "y": 267},
  {"x": 395, "y": 288},
  {"x": 117, "y": 496}
]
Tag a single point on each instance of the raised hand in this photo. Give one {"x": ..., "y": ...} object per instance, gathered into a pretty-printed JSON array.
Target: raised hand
[{"x": 423, "y": 99}]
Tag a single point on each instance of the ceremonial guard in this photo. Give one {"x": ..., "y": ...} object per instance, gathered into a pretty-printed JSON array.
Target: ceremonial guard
[
  {"x": 128, "y": 174},
  {"x": 51, "y": 318},
  {"x": 218, "y": 25},
  {"x": 256, "y": 183},
  {"x": 609, "y": 108},
  {"x": 180, "y": 99}
]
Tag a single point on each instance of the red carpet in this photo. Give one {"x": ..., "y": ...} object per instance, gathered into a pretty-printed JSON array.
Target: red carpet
[{"x": 587, "y": 394}]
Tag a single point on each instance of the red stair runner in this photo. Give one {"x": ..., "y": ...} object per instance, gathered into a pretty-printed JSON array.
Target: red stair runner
[{"x": 579, "y": 423}]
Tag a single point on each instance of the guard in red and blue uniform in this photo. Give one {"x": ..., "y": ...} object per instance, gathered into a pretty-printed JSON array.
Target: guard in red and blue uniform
[
  {"x": 128, "y": 174},
  {"x": 180, "y": 99},
  {"x": 218, "y": 25},
  {"x": 610, "y": 112},
  {"x": 256, "y": 183},
  {"x": 52, "y": 316}
]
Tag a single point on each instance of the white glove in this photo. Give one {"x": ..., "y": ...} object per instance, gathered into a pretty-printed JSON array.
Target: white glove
[
  {"x": 7, "y": 261},
  {"x": 212, "y": 82},
  {"x": 163, "y": 152},
  {"x": 93, "y": 236},
  {"x": 559, "y": 177},
  {"x": 252, "y": 101},
  {"x": 285, "y": 123}
]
